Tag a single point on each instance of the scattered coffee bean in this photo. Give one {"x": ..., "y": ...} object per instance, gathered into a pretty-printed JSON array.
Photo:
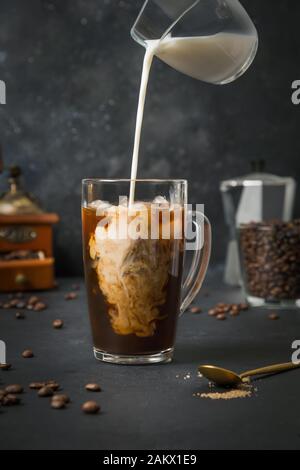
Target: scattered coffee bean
[
  {"x": 235, "y": 308},
  {"x": 61, "y": 396},
  {"x": 221, "y": 316},
  {"x": 57, "y": 324},
  {"x": 234, "y": 313},
  {"x": 52, "y": 384},
  {"x": 58, "y": 404},
  {"x": 45, "y": 392},
  {"x": 71, "y": 296},
  {"x": 212, "y": 312},
  {"x": 39, "y": 306},
  {"x": 20, "y": 316},
  {"x": 221, "y": 305},
  {"x": 27, "y": 354},
  {"x": 33, "y": 300},
  {"x": 90, "y": 407},
  {"x": 93, "y": 387},
  {"x": 14, "y": 389},
  {"x": 10, "y": 400},
  {"x": 273, "y": 316},
  {"x": 36, "y": 385},
  {"x": 222, "y": 308},
  {"x": 195, "y": 310},
  {"x": 5, "y": 366}
]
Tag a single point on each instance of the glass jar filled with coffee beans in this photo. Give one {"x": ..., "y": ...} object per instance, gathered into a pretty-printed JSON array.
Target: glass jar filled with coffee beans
[{"x": 270, "y": 258}]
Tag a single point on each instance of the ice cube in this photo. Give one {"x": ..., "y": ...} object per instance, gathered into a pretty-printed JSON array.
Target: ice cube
[
  {"x": 161, "y": 201},
  {"x": 123, "y": 201},
  {"x": 98, "y": 203},
  {"x": 101, "y": 206}
]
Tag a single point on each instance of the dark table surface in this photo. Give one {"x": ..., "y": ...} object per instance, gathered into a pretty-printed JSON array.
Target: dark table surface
[{"x": 151, "y": 407}]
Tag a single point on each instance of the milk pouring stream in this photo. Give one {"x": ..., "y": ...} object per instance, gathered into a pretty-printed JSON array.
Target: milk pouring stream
[{"x": 215, "y": 59}]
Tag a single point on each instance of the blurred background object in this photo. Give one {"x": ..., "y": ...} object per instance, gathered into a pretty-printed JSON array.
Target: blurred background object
[
  {"x": 16, "y": 200},
  {"x": 26, "y": 258},
  {"x": 270, "y": 261},
  {"x": 256, "y": 197},
  {"x": 72, "y": 75}
]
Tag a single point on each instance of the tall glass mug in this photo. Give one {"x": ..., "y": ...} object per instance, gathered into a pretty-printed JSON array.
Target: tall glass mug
[{"x": 134, "y": 263}]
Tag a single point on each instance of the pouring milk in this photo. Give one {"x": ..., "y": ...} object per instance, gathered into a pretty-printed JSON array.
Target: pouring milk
[{"x": 215, "y": 59}]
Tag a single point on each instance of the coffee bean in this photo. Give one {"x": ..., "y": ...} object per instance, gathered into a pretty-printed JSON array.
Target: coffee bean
[
  {"x": 212, "y": 312},
  {"x": 234, "y": 310},
  {"x": 45, "y": 392},
  {"x": 195, "y": 310},
  {"x": 221, "y": 305},
  {"x": 222, "y": 309},
  {"x": 71, "y": 296},
  {"x": 234, "y": 313},
  {"x": 61, "y": 396},
  {"x": 52, "y": 384},
  {"x": 33, "y": 300},
  {"x": 274, "y": 316},
  {"x": 39, "y": 306},
  {"x": 93, "y": 387},
  {"x": 14, "y": 389},
  {"x": 90, "y": 407},
  {"x": 36, "y": 385},
  {"x": 5, "y": 366},
  {"x": 221, "y": 317},
  {"x": 20, "y": 316},
  {"x": 10, "y": 400},
  {"x": 27, "y": 354},
  {"x": 57, "y": 324},
  {"x": 58, "y": 404}
]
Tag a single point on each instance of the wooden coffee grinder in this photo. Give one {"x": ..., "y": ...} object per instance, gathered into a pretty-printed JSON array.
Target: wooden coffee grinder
[{"x": 26, "y": 257}]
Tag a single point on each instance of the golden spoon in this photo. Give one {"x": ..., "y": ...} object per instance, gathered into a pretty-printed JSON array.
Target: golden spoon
[{"x": 225, "y": 378}]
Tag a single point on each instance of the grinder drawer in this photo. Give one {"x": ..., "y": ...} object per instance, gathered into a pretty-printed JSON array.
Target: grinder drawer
[{"x": 26, "y": 275}]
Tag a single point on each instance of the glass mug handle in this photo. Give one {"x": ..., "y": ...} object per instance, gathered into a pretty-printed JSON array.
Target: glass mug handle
[{"x": 196, "y": 275}]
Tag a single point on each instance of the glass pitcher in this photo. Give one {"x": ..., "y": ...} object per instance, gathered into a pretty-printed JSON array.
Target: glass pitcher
[{"x": 211, "y": 40}]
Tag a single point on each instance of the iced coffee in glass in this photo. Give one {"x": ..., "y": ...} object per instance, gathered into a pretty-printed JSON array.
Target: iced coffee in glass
[{"x": 134, "y": 264}]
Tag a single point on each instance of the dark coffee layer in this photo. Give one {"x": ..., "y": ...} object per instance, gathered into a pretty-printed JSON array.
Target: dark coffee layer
[{"x": 142, "y": 318}]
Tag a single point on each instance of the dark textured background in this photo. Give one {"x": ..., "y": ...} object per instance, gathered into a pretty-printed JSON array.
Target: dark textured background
[{"x": 72, "y": 74}]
